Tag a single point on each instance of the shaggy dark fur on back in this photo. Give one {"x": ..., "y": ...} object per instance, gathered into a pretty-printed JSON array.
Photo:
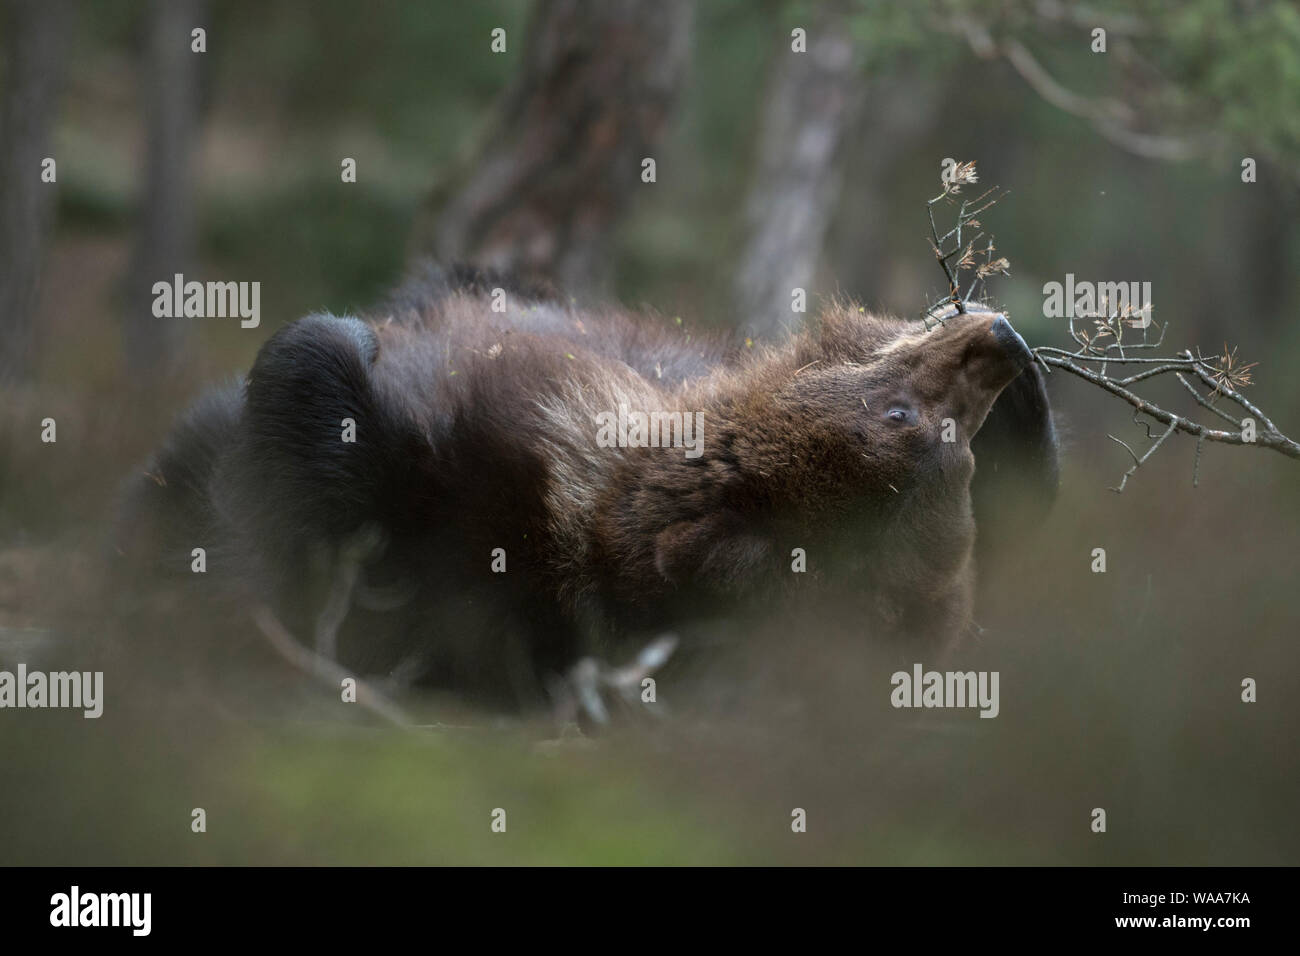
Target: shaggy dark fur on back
[{"x": 476, "y": 430}]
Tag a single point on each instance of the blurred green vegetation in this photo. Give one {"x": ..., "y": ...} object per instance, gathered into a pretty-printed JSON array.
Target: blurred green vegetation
[{"x": 1119, "y": 690}]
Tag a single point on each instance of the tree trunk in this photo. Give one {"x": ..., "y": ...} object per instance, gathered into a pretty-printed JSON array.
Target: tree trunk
[
  {"x": 165, "y": 241},
  {"x": 34, "y": 53},
  {"x": 591, "y": 100},
  {"x": 810, "y": 105}
]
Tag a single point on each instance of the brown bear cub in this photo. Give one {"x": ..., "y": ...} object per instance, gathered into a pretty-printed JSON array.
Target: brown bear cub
[{"x": 475, "y": 485}]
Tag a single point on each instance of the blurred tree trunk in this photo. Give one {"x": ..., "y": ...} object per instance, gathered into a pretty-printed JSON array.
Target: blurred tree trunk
[
  {"x": 165, "y": 241},
  {"x": 562, "y": 157},
  {"x": 812, "y": 101},
  {"x": 34, "y": 49},
  {"x": 900, "y": 110}
]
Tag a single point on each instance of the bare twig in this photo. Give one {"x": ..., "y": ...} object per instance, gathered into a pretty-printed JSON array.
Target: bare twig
[
  {"x": 350, "y": 556},
  {"x": 590, "y": 682},
  {"x": 1139, "y": 462},
  {"x": 324, "y": 670},
  {"x": 954, "y": 251},
  {"x": 1266, "y": 434},
  {"x": 1109, "y": 345}
]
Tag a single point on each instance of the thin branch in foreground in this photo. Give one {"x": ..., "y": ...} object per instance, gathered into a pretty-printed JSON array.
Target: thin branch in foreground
[
  {"x": 1252, "y": 428},
  {"x": 323, "y": 669},
  {"x": 1109, "y": 345},
  {"x": 590, "y": 682},
  {"x": 956, "y": 244},
  {"x": 1139, "y": 462}
]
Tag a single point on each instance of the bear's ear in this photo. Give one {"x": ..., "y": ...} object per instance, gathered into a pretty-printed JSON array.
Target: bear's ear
[
  {"x": 716, "y": 552},
  {"x": 1016, "y": 466}
]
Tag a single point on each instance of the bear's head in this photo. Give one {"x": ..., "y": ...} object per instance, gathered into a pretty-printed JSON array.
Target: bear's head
[
  {"x": 877, "y": 408},
  {"x": 857, "y": 435}
]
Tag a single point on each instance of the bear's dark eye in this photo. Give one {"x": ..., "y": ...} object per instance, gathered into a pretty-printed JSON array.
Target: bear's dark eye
[{"x": 899, "y": 415}]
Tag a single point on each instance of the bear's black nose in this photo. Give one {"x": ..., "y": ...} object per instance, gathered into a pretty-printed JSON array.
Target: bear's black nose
[{"x": 1011, "y": 341}]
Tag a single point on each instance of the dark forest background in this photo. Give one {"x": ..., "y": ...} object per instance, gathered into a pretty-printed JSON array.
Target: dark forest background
[{"x": 774, "y": 170}]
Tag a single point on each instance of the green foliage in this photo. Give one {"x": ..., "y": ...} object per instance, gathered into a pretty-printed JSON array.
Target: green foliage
[
  {"x": 1213, "y": 66},
  {"x": 314, "y": 245},
  {"x": 1239, "y": 63}
]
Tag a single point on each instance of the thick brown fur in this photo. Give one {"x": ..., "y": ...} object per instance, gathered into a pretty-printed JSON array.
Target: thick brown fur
[{"x": 477, "y": 430}]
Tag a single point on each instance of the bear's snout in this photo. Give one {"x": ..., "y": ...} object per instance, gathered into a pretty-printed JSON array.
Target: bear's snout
[
  {"x": 969, "y": 362},
  {"x": 1011, "y": 342}
]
